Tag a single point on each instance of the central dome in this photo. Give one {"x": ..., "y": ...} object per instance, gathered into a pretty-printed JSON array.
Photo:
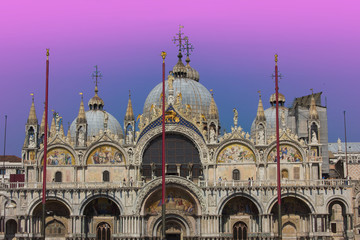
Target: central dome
[{"x": 192, "y": 93}]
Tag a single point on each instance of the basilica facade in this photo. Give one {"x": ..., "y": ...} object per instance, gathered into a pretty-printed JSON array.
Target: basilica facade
[{"x": 104, "y": 180}]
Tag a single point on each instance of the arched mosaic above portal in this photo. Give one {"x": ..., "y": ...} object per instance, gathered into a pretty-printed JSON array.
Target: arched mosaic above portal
[
  {"x": 236, "y": 153},
  {"x": 176, "y": 200},
  {"x": 287, "y": 154},
  {"x": 60, "y": 157},
  {"x": 105, "y": 155}
]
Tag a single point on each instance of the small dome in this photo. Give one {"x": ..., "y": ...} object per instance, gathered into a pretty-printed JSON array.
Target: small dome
[
  {"x": 192, "y": 92},
  {"x": 192, "y": 73},
  {"x": 179, "y": 69},
  {"x": 95, "y": 121},
  {"x": 96, "y": 103},
  {"x": 273, "y": 99}
]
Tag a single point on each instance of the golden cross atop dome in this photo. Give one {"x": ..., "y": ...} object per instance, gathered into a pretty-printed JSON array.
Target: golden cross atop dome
[
  {"x": 259, "y": 92},
  {"x": 178, "y": 38}
]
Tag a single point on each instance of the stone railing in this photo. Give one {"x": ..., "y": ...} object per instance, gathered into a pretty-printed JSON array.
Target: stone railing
[
  {"x": 72, "y": 185},
  {"x": 200, "y": 183},
  {"x": 273, "y": 183}
]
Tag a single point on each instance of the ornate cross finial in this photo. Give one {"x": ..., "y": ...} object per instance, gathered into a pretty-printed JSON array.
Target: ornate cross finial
[
  {"x": 276, "y": 59},
  {"x": 81, "y": 94},
  {"x": 178, "y": 38},
  {"x": 259, "y": 92},
  {"x": 188, "y": 46},
  {"x": 97, "y": 75},
  {"x": 47, "y": 53},
  {"x": 312, "y": 91},
  {"x": 32, "y": 96},
  {"x": 212, "y": 92}
]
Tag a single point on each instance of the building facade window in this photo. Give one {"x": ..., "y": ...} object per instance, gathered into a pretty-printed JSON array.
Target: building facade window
[
  {"x": 236, "y": 174},
  {"x": 106, "y": 176},
  {"x": 58, "y": 177}
]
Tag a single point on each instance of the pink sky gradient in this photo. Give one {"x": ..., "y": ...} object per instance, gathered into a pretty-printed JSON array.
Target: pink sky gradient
[{"x": 235, "y": 43}]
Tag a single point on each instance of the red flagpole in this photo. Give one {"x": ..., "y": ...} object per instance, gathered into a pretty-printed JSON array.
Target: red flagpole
[
  {"x": 278, "y": 149},
  {"x": 163, "y": 54},
  {"x": 45, "y": 143}
]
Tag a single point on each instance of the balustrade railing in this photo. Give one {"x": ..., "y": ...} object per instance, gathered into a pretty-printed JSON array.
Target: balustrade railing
[{"x": 200, "y": 183}]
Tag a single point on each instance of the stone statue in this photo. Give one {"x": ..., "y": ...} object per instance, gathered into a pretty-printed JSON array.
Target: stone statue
[
  {"x": 106, "y": 119},
  {"x": 170, "y": 81},
  {"x": 212, "y": 135},
  {"x": 313, "y": 137},
  {"x": 81, "y": 137},
  {"x": 283, "y": 118},
  {"x": 235, "y": 117},
  {"x": 261, "y": 137},
  {"x": 129, "y": 136},
  {"x": 32, "y": 141},
  {"x": 339, "y": 145}
]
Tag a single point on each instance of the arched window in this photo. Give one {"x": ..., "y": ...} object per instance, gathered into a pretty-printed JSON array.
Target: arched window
[
  {"x": 106, "y": 176},
  {"x": 181, "y": 153},
  {"x": 236, "y": 174},
  {"x": 58, "y": 177},
  {"x": 240, "y": 231}
]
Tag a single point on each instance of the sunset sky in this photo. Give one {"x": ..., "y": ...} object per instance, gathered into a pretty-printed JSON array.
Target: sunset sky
[{"x": 318, "y": 43}]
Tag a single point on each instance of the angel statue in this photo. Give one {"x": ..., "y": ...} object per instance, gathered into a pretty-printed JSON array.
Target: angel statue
[{"x": 235, "y": 117}]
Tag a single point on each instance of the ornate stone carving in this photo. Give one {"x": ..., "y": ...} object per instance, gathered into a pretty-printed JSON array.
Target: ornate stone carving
[{"x": 148, "y": 188}]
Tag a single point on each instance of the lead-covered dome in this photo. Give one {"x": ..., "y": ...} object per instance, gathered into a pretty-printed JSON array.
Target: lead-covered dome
[
  {"x": 96, "y": 118},
  {"x": 191, "y": 92}
]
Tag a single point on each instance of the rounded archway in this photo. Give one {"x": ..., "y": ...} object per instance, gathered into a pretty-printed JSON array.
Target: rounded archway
[
  {"x": 295, "y": 216},
  {"x": 11, "y": 229},
  {"x": 240, "y": 231},
  {"x": 175, "y": 228},
  {"x": 239, "y": 213},
  {"x": 182, "y": 157},
  {"x": 101, "y": 215},
  {"x": 57, "y": 219},
  {"x": 182, "y": 209},
  {"x": 337, "y": 218}
]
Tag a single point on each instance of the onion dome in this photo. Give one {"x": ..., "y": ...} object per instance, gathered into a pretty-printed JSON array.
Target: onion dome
[
  {"x": 95, "y": 118},
  {"x": 179, "y": 70},
  {"x": 281, "y": 99},
  {"x": 96, "y": 103},
  {"x": 32, "y": 119},
  {"x": 191, "y": 72}
]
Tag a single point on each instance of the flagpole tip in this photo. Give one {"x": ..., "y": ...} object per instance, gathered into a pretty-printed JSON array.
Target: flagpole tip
[{"x": 163, "y": 55}]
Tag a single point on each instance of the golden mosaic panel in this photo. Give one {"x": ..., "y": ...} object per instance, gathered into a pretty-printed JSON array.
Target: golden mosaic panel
[
  {"x": 287, "y": 154},
  {"x": 105, "y": 155},
  {"x": 60, "y": 157},
  {"x": 236, "y": 153}
]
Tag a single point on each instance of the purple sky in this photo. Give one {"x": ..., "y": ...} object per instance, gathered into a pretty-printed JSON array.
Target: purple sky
[{"x": 318, "y": 43}]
